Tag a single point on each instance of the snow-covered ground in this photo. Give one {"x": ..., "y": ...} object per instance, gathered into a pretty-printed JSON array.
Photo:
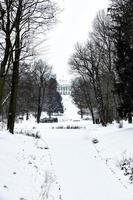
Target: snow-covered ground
[{"x": 64, "y": 164}]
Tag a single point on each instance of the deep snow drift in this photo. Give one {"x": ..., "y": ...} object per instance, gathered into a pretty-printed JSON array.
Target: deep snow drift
[{"x": 64, "y": 164}]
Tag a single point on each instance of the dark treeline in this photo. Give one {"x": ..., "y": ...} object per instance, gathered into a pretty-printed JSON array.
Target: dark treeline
[
  {"x": 20, "y": 22},
  {"x": 37, "y": 92},
  {"x": 104, "y": 66}
]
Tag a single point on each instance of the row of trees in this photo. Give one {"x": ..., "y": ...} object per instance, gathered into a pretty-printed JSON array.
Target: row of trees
[
  {"x": 20, "y": 22},
  {"x": 37, "y": 91},
  {"x": 104, "y": 65}
]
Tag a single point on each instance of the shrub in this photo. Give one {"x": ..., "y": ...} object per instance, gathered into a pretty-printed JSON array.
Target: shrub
[
  {"x": 126, "y": 165},
  {"x": 68, "y": 127},
  {"x": 30, "y": 134}
]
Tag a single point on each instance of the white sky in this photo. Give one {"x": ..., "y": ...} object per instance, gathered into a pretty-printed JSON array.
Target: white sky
[{"x": 75, "y": 23}]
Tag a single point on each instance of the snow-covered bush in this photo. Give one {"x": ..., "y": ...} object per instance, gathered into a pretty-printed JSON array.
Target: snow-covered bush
[
  {"x": 29, "y": 133},
  {"x": 68, "y": 127},
  {"x": 126, "y": 165}
]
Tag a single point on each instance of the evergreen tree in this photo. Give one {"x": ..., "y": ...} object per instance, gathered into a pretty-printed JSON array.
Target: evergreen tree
[
  {"x": 53, "y": 98},
  {"x": 121, "y": 12}
]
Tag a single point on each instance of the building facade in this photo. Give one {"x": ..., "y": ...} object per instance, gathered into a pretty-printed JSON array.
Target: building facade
[{"x": 64, "y": 88}]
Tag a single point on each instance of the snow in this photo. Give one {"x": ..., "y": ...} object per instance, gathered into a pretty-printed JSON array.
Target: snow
[
  {"x": 25, "y": 163},
  {"x": 70, "y": 109},
  {"x": 65, "y": 164},
  {"x": 83, "y": 173}
]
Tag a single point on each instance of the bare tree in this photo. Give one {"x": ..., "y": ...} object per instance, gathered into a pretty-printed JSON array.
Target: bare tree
[
  {"x": 102, "y": 35},
  {"x": 82, "y": 96},
  {"x": 24, "y": 19},
  {"x": 42, "y": 72},
  {"x": 6, "y": 30},
  {"x": 86, "y": 61},
  {"x": 95, "y": 60}
]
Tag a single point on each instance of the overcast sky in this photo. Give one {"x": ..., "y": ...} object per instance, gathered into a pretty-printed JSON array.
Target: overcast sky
[{"x": 75, "y": 23}]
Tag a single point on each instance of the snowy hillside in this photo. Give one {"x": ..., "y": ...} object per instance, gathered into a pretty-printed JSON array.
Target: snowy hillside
[
  {"x": 70, "y": 110},
  {"x": 63, "y": 162}
]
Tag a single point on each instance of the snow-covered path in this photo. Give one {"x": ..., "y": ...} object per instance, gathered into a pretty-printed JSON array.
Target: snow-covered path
[
  {"x": 81, "y": 173},
  {"x": 64, "y": 164}
]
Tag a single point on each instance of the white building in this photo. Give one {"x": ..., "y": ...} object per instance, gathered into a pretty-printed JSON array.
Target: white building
[{"x": 64, "y": 87}]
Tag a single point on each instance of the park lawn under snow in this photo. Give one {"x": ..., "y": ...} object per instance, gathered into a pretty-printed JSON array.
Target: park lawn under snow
[
  {"x": 86, "y": 170},
  {"x": 26, "y": 172},
  {"x": 64, "y": 164}
]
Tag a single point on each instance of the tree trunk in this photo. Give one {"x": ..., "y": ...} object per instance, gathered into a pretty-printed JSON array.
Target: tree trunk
[
  {"x": 15, "y": 79},
  {"x": 2, "y": 83},
  {"x": 15, "y": 75},
  {"x": 81, "y": 113},
  {"x": 39, "y": 114},
  {"x": 3, "y": 70},
  {"x": 39, "y": 105},
  {"x": 41, "y": 94},
  {"x": 27, "y": 115},
  {"x": 99, "y": 99},
  {"x": 130, "y": 118},
  {"x": 88, "y": 100},
  {"x": 92, "y": 115},
  {"x": 13, "y": 98}
]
